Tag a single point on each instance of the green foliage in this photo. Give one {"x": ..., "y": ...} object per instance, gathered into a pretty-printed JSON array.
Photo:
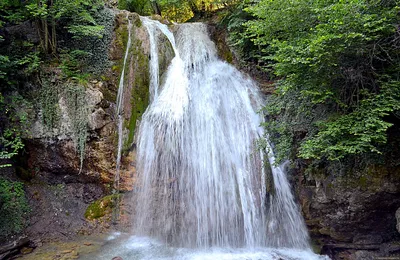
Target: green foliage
[
  {"x": 4, "y": 66},
  {"x": 48, "y": 103},
  {"x": 11, "y": 10},
  {"x": 36, "y": 10},
  {"x": 12, "y": 128},
  {"x": 93, "y": 52},
  {"x": 102, "y": 207},
  {"x": 141, "y": 7},
  {"x": 234, "y": 19},
  {"x": 30, "y": 62},
  {"x": 73, "y": 64},
  {"x": 336, "y": 59},
  {"x": 347, "y": 134},
  {"x": 14, "y": 207},
  {"x": 79, "y": 17},
  {"x": 174, "y": 10}
]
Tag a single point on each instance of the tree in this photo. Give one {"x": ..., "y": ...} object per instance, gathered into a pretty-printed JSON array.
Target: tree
[
  {"x": 334, "y": 56},
  {"x": 76, "y": 15}
]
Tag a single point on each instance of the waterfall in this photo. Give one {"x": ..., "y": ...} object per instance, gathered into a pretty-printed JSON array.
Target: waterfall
[
  {"x": 154, "y": 28},
  {"x": 203, "y": 190},
  {"x": 201, "y": 173},
  {"x": 119, "y": 112}
]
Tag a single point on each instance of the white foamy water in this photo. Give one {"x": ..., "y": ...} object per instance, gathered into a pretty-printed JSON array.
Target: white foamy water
[
  {"x": 144, "y": 248},
  {"x": 155, "y": 28},
  {"x": 201, "y": 175}
]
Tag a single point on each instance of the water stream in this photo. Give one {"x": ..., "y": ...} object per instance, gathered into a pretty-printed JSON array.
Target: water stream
[
  {"x": 202, "y": 182},
  {"x": 120, "y": 104}
]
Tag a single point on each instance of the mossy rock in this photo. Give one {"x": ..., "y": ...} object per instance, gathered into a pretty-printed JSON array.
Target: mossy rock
[
  {"x": 140, "y": 90},
  {"x": 102, "y": 207}
]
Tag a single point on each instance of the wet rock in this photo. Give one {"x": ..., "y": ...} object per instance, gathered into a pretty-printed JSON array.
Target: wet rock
[
  {"x": 398, "y": 219},
  {"x": 364, "y": 255},
  {"x": 58, "y": 186},
  {"x": 367, "y": 239},
  {"x": 390, "y": 248},
  {"x": 356, "y": 207}
]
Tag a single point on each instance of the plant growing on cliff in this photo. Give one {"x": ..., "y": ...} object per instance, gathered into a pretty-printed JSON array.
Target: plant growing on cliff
[
  {"x": 78, "y": 112},
  {"x": 12, "y": 127},
  {"x": 48, "y": 102},
  {"x": 335, "y": 56},
  {"x": 14, "y": 207}
]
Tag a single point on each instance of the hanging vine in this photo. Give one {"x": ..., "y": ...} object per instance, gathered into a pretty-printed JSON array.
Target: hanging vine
[{"x": 78, "y": 112}]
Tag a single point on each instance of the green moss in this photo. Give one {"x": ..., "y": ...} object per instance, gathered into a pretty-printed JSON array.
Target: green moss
[
  {"x": 224, "y": 51},
  {"x": 136, "y": 20},
  {"x": 121, "y": 34},
  {"x": 363, "y": 182},
  {"x": 101, "y": 207},
  {"x": 140, "y": 88}
]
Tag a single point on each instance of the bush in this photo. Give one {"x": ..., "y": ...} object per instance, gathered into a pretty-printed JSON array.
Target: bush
[
  {"x": 336, "y": 61},
  {"x": 14, "y": 207}
]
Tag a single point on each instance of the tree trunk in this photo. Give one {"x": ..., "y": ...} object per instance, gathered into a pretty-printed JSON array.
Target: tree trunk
[
  {"x": 53, "y": 32},
  {"x": 39, "y": 32},
  {"x": 46, "y": 35},
  {"x": 53, "y": 37},
  {"x": 156, "y": 7}
]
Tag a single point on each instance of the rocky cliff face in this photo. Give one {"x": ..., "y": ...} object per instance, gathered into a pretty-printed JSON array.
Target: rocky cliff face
[
  {"x": 350, "y": 207},
  {"x": 70, "y": 163}
]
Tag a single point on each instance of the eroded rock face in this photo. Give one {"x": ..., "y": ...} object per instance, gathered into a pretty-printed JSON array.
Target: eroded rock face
[
  {"x": 354, "y": 210},
  {"x": 58, "y": 208},
  {"x": 55, "y": 150},
  {"x": 60, "y": 188}
]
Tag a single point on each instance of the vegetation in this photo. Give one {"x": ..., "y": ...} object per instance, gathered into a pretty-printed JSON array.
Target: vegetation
[
  {"x": 336, "y": 71},
  {"x": 175, "y": 10},
  {"x": 102, "y": 207},
  {"x": 68, "y": 32},
  {"x": 13, "y": 207},
  {"x": 47, "y": 49}
]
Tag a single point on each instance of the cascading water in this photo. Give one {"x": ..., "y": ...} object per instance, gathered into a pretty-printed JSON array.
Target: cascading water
[
  {"x": 154, "y": 28},
  {"x": 202, "y": 183},
  {"x": 119, "y": 112},
  {"x": 201, "y": 172}
]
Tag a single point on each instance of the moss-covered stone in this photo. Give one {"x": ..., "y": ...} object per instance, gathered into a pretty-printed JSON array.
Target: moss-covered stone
[
  {"x": 102, "y": 207},
  {"x": 140, "y": 88}
]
